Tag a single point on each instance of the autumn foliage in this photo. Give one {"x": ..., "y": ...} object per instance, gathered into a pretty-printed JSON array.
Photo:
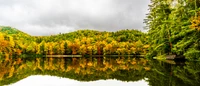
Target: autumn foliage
[{"x": 81, "y": 42}]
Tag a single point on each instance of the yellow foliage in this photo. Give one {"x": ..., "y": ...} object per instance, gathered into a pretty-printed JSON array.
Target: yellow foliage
[
  {"x": 146, "y": 46},
  {"x": 1, "y": 37},
  {"x": 62, "y": 50},
  {"x": 11, "y": 71},
  {"x": 82, "y": 65},
  {"x": 83, "y": 39},
  {"x": 133, "y": 62},
  {"x": 22, "y": 66},
  {"x": 18, "y": 51},
  {"x": 89, "y": 64},
  {"x": 119, "y": 61},
  {"x": 19, "y": 61},
  {"x": 11, "y": 41},
  {"x": 195, "y": 22},
  {"x": 7, "y": 57},
  {"x": 62, "y": 64},
  {"x": 147, "y": 68},
  {"x": 3, "y": 70},
  {"x": 38, "y": 64},
  {"x": 82, "y": 49},
  {"x": 68, "y": 68},
  {"x": 133, "y": 48},
  {"x": 77, "y": 70},
  {"x": 51, "y": 66}
]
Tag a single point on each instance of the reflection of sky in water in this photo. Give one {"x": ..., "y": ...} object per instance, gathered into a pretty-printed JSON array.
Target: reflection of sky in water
[{"x": 38, "y": 80}]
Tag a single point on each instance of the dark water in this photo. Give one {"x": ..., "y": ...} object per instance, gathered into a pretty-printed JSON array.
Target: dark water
[{"x": 98, "y": 71}]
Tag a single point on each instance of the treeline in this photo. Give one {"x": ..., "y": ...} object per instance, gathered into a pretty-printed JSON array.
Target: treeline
[
  {"x": 81, "y": 42},
  {"x": 174, "y": 28}
]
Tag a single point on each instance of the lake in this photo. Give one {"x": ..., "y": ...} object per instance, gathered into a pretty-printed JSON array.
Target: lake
[{"x": 98, "y": 71}]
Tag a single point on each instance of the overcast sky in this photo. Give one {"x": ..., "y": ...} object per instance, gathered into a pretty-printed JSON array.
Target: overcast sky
[{"x": 45, "y": 17}]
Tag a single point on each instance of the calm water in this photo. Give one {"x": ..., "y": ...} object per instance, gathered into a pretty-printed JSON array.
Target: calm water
[{"x": 116, "y": 71}]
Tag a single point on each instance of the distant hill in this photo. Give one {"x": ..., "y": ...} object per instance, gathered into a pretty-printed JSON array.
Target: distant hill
[
  {"x": 120, "y": 36},
  {"x": 15, "y": 33},
  {"x": 10, "y": 30}
]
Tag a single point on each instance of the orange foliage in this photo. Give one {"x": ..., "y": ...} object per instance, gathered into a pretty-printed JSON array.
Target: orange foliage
[{"x": 195, "y": 22}]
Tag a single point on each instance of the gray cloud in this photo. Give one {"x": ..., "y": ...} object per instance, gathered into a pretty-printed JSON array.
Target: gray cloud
[{"x": 44, "y": 17}]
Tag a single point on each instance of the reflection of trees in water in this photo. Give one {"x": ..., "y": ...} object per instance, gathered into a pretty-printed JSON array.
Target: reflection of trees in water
[
  {"x": 83, "y": 69},
  {"x": 190, "y": 74},
  {"x": 90, "y": 69},
  {"x": 163, "y": 74}
]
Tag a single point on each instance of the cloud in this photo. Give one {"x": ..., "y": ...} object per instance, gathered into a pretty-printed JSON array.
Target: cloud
[{"x": 44, "y": 17}]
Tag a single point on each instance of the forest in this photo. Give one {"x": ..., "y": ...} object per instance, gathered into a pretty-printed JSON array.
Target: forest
[
  {"x": 81, "y": 42},
  {"x": 173, "y": 29}
]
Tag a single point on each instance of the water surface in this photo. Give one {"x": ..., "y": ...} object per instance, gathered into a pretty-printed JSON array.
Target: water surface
[
  {"x": 98, "y": 71},
  {"x": 45, "y": 80}
]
